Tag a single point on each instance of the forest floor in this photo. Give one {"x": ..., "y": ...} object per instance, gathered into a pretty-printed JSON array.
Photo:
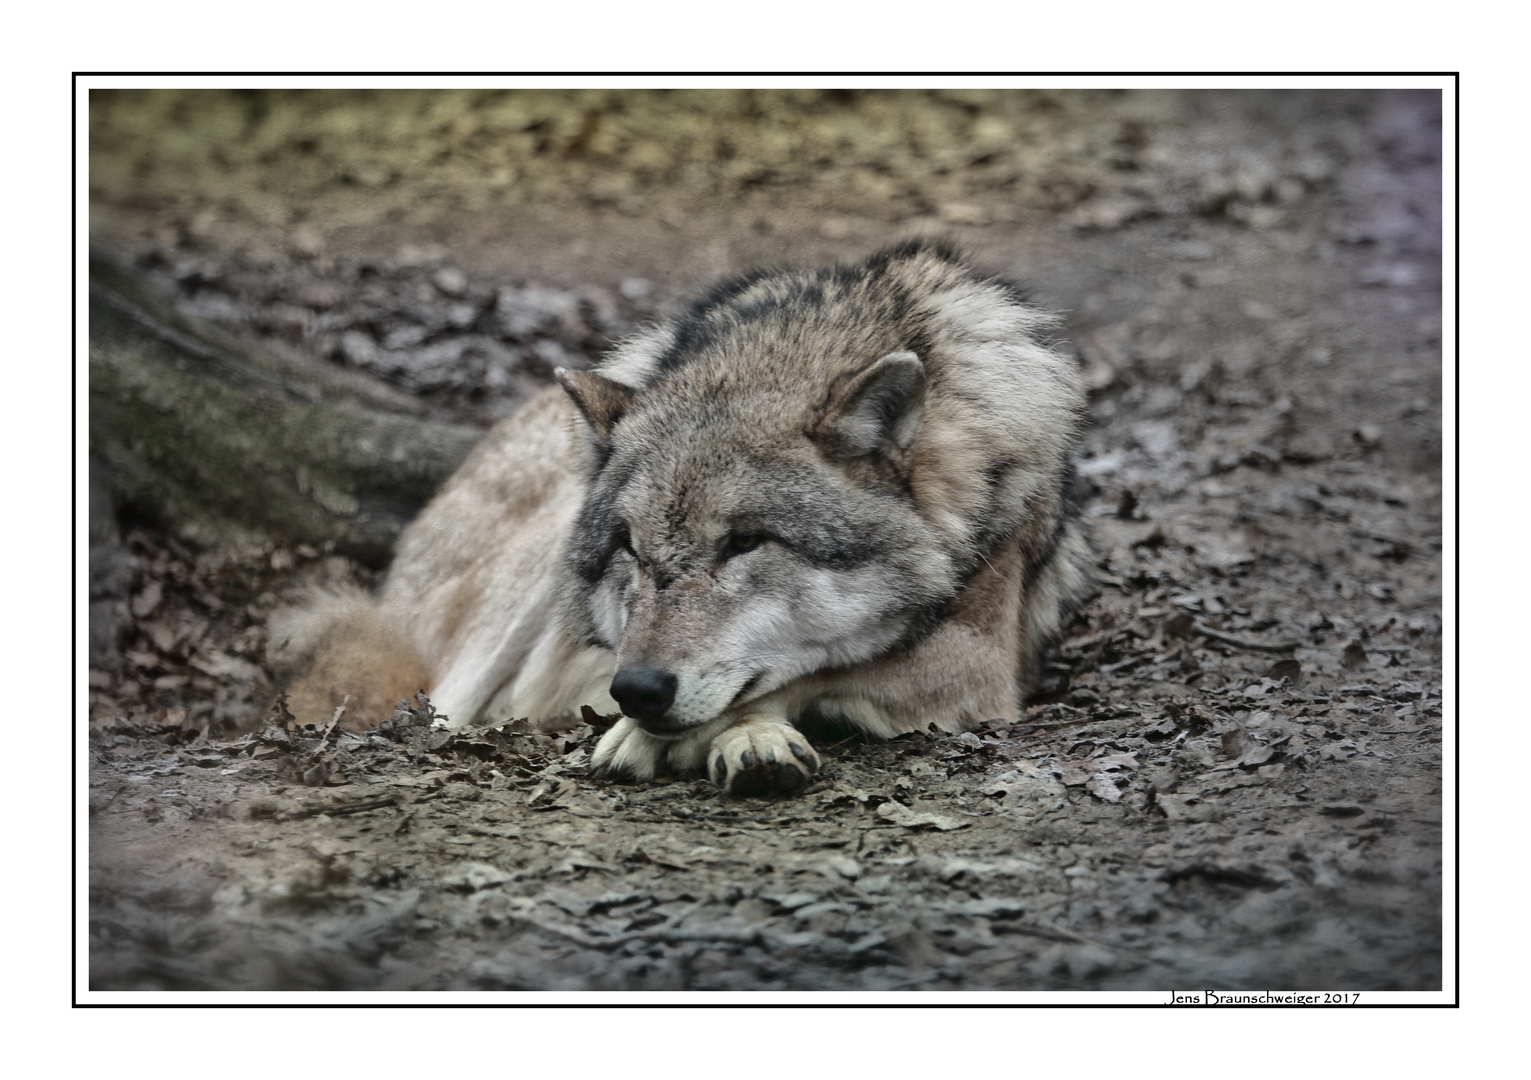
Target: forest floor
[{"x": 1233, "y": 776}]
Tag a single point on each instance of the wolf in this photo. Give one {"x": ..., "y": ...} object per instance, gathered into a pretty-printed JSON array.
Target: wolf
[{"x": 817, "y": 496}]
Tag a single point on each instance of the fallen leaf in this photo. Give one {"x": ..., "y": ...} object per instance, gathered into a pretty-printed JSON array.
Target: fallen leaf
[
  {"x": 1180, "y": 625},
  {"x": 1256, "y": 755},
  {"x": 581, "y": 802},
  {"x": 844, "y": 865},
  {"x": 1104, "y": 787},
  {"x": 1285, "y": 669},
  {"x": 669, "y": 862},
  {"x": 1177, "y": 807},
  {"x": 142, "y": 658},
  {"x": 1235, "y": 742},
  {"x": 900, "y": 814},
  {"x": 546, "y": 794},
  {"x": 472, "y": 876},
  {"x": 145, "y": 602}
]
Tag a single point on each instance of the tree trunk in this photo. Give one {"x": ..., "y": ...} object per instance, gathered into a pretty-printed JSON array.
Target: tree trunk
[{"x": 223, "y": 439}]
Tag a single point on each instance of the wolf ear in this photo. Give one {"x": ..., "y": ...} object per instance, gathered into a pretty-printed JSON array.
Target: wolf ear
[
  {"x": 876, "y": 409},
  {"x": 600, "y": 400}
]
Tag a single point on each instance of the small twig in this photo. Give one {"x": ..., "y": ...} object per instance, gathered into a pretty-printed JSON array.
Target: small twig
[
  {"x": 1130, "y": 662},
  {"x": 344, "y": 808},
  {"x": 1048, "y": 728},
  {"x": 1244, "y": 643},
  {"x": 339, "y": 712},
  {"x": 835, "y": 746}
]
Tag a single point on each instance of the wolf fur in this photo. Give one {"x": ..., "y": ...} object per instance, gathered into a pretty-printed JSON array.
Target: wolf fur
[{"x": 835, "y": 494}]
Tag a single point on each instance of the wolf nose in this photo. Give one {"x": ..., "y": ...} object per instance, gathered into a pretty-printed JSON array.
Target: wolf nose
[{"x": 643, "y": 692}]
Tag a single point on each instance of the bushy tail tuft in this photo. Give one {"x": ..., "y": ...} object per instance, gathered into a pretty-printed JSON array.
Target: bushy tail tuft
[{"x": 337, "y": 644}]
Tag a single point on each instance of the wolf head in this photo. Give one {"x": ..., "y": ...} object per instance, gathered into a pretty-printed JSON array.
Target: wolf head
[{"x": 769, "y": 490}]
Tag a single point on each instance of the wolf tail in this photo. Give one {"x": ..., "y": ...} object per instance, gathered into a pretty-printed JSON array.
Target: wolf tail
[{"x": 337, "y": 644}]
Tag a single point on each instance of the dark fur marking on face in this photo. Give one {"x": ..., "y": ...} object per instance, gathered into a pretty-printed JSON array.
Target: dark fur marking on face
[
  {"x": 830, "y": 543},
  {"x": 842, "y": 556},
  {"x": 595, "y": 537}
]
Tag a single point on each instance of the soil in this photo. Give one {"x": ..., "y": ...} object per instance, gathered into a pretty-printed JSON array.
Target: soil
[{"x": 1232, "y": 778}]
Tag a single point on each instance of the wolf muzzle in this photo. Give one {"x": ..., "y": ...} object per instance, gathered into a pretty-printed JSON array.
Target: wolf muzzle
[{"x": 646, "y": 694}]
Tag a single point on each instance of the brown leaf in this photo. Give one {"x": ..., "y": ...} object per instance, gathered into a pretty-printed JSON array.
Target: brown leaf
[
  {"x": 1285, "y": 669},
  {"x": 1235, "y": 742},
  {"x": 600, "y": 724},
  {"x": 1179, "y": 625}
]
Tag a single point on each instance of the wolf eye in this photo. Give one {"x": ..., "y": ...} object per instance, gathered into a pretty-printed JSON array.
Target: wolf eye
[
  {"x": 624, "y": 541},
  {"x": 739, "y": 543}
]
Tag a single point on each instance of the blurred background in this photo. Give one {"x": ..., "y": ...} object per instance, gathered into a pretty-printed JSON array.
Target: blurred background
[{"x": 459, "y": 242}]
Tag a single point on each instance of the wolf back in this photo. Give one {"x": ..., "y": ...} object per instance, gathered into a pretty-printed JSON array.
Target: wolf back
[{"x": 838, "y": 492}]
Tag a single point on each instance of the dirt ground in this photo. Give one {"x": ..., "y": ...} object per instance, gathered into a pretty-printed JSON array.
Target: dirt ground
[{"x": 1232, "y": 779}]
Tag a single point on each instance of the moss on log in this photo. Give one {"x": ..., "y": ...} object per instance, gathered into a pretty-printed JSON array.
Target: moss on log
[{"x": 221, "y": 438}]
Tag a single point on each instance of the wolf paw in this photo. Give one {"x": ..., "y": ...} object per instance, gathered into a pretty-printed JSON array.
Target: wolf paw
[
  {"x": 627, "y": 750},
  {"x": 761, "y": 757}
]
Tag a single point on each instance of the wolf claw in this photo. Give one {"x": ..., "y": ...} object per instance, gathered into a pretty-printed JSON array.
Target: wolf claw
[{"x": 761, "y": 757}]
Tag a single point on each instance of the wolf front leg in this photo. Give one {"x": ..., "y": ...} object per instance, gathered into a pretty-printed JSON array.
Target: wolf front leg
[{"x": 759, "y": 753}]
